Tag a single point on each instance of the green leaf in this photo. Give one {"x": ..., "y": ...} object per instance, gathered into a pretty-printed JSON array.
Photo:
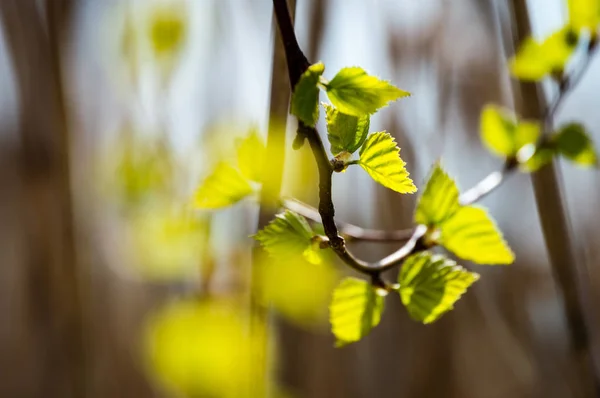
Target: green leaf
[
  {"x": 439, "y": 200},
  {"x": 584, "y": 14},
  {"x": 380, "y": 157},
  {"x": 185, "y": 336},
  {"x": 356, "y": 93},
  {"x": 167, "y": 30},
  {"x": 356, "y": 308},
  {"x": 224, "y": 187},
  {"x": 573, "y": 142},
  {"x": 431, "y": 284},
  {"x": 472, "y": 235},
  {"x": 346, "y": 133},
  {"x": 535, "y": 60},
  {"x": 540, "y": 157},
  {"x": 503, "y": 134},
  {"x": 305, "y": 98},
  {"x": 297, "y": 289},
  {"x": 250, "y": 154},
  {"x": 288, "y": 236},
  {"x": 528, "y": 132}
]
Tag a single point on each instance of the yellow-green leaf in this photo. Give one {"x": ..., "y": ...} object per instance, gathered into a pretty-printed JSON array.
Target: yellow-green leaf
[
  {"x": 250, "y": 155},
  {"x": 380, "y": 157},
  {"x": 346, "y": 133},
  {"x": 439, "y": 200},
  {"x": 199, "y": 348},
  {"x": 497, "y": 130},
  {"x": 472, "y": 235},
  {"x": 528, "y": 132},
  {"x": 584, "y": 14},
  {"x": 166, "y": 243},
  {"x": 288, "y": 236},
  {"x": 356, "y": 308},
  {"x": 541, "y": 157},
  {"x": 138, "y": 170},
  {"x": 167, "y": 29},
  {"x": 224, "y": 187},
  {"x": 305, "y": 98},
  {"x": 297, "y": 289},
  {"x": 431, "y": 284},
  {"x": 535, "y": 60},
  {"x": 356, "y": 93},
  {"x": 573, "y": 142},
  {"x": 503, "y": 134}
]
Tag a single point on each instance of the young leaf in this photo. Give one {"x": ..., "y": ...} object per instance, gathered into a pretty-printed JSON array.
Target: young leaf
[
  {"x": 431, "y": 284},
  {"x": 356, "y": 308},
  {"x": 535, "y": 60},
  {"x": 305, "y": 98},
  {"x": 472, "y": 235},
  {"x": 288, "y": 235},
  {"x": 224, "y": 187},
  {"x": 356, "y": 93},
  {"x": 584, "y": 14},
  {"x": 540, "y": 158},
  {"x": 250, "y": 154},
  {"x": 503, "y": 134},
  {"x": 290, "y": 287},
  {"x": 528, "y": 132},
  {"x": 192, "y": 334},
  {"x": 439, "y": 200},
  {"x": 497, "y": 130},
  {"x": 167, "y": 29},
  {"x": 346, "y": 133},
  {"x": 574, "y": 143},
  {"x": 380, "y": 157}
]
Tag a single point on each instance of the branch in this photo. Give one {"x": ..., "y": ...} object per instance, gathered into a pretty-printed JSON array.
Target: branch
[
  {"x": 349, "y": 231},
  {"x": 297, "y": 64}
]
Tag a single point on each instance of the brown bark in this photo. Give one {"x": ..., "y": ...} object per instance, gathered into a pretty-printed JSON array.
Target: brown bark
[{"x": 55, "y": 349}]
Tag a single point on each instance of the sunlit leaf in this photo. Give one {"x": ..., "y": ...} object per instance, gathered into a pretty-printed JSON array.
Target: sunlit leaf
[
  {"x": 167, "y": 30},
  {"x": 288, "y": 236},
  {"x": 535, "y": 60},
  {"x": 584, "y": 14},
  {"x": 297, "y": 289},
  {"x": 167, "y": 243},
  {"x": 251, "y": 154},
  {"x": 439, "y": 200},
  {"x": 224, "y": 187},
  {"x": 138, "y": 170},
  {"x": 541, "y": 157},
  {"x": 528, "y": 132},
  {"x": 573, "y": 142},
  {"x": 431, "y": 284},
  {"x": 346, "y": 133},
  {"x": 380, "y": 157},
  {"x": 203, "y": 348},
  {"x": 356, "y": 308},
  {"x": 503, "y": 134},
  {"x": 356, "y": 93},
  {"x": 472, "y": 235},
  {"x": 305, "y": 98}
]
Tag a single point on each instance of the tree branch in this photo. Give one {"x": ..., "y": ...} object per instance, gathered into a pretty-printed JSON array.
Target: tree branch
[
  {"x": 297, "y": 64},
  {"x": 349, "y": 231}
]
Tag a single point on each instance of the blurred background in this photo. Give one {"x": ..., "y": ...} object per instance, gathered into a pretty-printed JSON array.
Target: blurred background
[{"x": 113, "y": 285}]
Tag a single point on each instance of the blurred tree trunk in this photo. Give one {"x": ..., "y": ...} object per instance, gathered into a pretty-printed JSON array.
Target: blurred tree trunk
[
  {"x": 47, "y": 359},
  {"x": 555, "y": 222}
]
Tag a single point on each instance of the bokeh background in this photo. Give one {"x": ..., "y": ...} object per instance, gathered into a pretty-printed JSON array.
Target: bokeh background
[{"x": 80, "y": 272}]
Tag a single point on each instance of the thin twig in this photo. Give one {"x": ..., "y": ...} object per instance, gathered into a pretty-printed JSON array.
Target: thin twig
[
  {"x": 349, "y": 231},
  {"x": 297, "y": 64}
]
